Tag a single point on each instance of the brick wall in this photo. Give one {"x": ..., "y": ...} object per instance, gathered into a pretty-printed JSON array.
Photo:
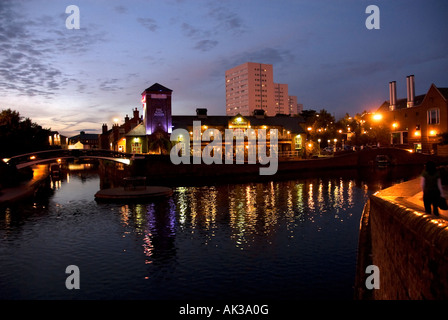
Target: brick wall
[{"x": 409, "y": 247}]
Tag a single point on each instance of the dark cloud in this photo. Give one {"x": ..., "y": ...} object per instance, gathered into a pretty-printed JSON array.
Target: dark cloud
[
  {"x": 148, "y": 23},
  {"x": 193, "y": 32},
  {"x": 109, "y": 85},
  {"x": 223, "y": 20},
  {"x": 121, "y": 9},
  {"x": 275, "y": 56},
  {"x": 227, "y": 20},
  {"x": 29, "y": 50},
  {"x": 205, "y": 45}
]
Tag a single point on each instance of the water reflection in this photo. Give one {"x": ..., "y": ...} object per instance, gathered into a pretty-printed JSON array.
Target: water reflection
[
  {"x": 230, "y": 240},
  {"x": 258, "y": 210},
  {"x": 155, "y": 223}
]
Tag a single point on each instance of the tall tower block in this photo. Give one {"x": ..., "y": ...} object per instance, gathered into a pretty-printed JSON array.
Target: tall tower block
[{"x": 156, "y": 102}]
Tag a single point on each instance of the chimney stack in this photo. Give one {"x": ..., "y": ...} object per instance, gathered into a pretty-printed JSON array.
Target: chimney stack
[
  {"x": 410, "y": 90},
  {"x": 201, "y": 113},
  {"x": 136, "y": 116},
  {"x": 392, "y": 95}
]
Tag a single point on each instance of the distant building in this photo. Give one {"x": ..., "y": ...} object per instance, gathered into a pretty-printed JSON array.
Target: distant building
[
  {"x": 281, "y": 98},
  {"x": 56, "y": 139},
  {"x": 293, "y": 106},
  {"x": 250, "y": 86},
  {"x": 414, "y": 122},
  {"x": 83, "y": 141}
]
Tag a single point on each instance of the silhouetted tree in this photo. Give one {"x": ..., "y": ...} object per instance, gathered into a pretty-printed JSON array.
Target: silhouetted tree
[
  {"x": 159, "y": 142},
  {"x": 18, "y": 135}
]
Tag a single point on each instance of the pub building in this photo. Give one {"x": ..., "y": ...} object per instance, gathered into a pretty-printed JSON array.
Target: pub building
[{"x": 148, "y": 134}]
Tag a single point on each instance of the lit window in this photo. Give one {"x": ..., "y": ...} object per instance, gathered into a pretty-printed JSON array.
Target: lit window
[{"x": 433, "y": 116}]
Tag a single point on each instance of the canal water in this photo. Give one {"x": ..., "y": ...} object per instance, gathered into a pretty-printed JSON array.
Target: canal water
[{"x": 289, "y": 239}]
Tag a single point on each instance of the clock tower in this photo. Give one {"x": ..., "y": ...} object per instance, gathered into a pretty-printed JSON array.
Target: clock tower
[{"x": 156, "y": 102}]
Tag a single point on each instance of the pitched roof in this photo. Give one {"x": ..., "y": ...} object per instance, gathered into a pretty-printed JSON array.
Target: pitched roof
[
  {"x": 403, "y": 103},
  {"x": 157, "y": 87},
  {"x": 82, "y": 135},
  {"x": 418, "y": 100},
  {"x": 139, "y": 130},
  {"x": 444, "y": 92}
]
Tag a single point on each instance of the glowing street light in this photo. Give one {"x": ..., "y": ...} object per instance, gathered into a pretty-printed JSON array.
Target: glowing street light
[{"x": 377, "y": 116}]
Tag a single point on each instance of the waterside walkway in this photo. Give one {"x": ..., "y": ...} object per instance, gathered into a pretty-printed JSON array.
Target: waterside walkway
[
  {"x": 27, "y": 189},
  {"x": 409, "y": 194}
]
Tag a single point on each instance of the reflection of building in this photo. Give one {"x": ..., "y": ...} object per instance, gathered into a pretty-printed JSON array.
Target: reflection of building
[
  {"x": 152, "y": 135},
  {"x": 251, "y": 86},
  {"x": 415, "y": 121},
  {"x": 83, "y": 141}
]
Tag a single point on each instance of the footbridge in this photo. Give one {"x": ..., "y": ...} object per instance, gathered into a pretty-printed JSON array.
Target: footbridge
[{"x": 48, "y": 156}]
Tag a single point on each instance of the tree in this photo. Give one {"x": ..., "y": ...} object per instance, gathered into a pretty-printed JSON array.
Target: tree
[
  {"x": 18, "y": 135},
  {"x": 159, "y": 142},
  {"x": 308, "y": 116}
]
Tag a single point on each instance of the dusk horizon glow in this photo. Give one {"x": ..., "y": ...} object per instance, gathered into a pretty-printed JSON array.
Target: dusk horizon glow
[{"x": 75, "y": 80}]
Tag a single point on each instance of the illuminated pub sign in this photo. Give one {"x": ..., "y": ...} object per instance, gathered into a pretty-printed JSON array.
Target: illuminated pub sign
[{"x": 239, "y": 122}]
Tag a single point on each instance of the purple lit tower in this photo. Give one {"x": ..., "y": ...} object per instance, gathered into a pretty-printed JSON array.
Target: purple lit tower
[{"x": 157, "y": 109}]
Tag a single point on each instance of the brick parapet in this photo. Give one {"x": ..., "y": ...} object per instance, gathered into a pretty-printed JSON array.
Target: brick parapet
[{"x": 409, "y": 247}]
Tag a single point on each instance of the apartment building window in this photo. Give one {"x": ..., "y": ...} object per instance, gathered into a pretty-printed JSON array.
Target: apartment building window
[{"x": 434, "y": 116}]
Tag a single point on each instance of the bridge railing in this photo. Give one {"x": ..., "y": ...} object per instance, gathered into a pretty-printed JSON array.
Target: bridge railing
[{"x": 42, "y": 156}]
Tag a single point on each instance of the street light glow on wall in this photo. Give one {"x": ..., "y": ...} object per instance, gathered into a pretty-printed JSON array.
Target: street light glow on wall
[{"x": 377, "y": 116}]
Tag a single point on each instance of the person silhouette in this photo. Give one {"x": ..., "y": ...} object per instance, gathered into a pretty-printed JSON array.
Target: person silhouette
[{"x": 431, "y": 184}]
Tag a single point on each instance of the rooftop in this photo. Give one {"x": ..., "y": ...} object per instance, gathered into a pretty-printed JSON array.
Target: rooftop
[
  {"x": 157, "y": 87},
  {"x": 402, "y": 103},
  {"x": 288, "y": 123}
]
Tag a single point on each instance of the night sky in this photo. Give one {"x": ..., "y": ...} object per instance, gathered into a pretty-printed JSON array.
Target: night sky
[{"x": 73, "y": 80}]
